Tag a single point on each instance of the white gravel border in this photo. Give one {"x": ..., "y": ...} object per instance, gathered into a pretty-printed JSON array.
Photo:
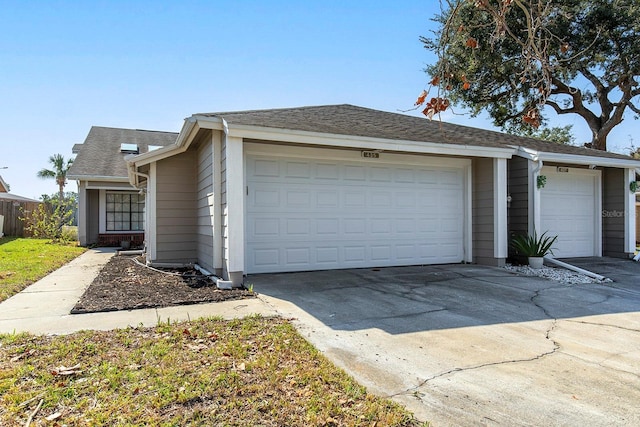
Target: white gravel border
[{"x": 558, "y": 274}]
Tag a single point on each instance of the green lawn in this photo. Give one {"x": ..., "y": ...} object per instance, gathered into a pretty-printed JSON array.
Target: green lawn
[
  {"x": 210, "y": 372},
  {"x": 24, "y": 261}
]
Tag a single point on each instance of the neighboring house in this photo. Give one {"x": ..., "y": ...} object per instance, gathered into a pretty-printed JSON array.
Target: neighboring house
[
  {"x": 110, "y": 209},
  {"x": 12, "y": 208},
  {"x": 4, "y": 187},
  {"x": 8, "y": 197},
  {"x": 341, "y": 186}
]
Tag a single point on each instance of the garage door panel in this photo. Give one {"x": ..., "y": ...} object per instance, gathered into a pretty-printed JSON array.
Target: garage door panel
[
  {"x": 427, "y": 176},
  {"x": 298, "y": 170},
  {"x": 267, "y": 257},
  {"x": 297, "y": 256},
  {"x": 327, "y": 199},
  {"x": 353, "y": 253},
  {"x": 405, "y": 252},
  {"x": 266, "y": 168},
  {"x": 405, "y": 226},
  {"x": 381, "y": 174},
  {"x": 450, "y": 178},
  {"x": 298, "y": 198},
  {"x": 327, "y": 255},
  {"x": 328, "y": 226},
  {"x": 266, "y": 198},
  {"x": 449, "y": 200},
  {"x": 380, "y": 253},
  {"x": 381, "y": 226},
  {"x": 403, "y": 175},
  {"x": 405, "y": 200},
  {"x": 355, "y": 226},
  {"x": 354, "y": 199},
  {"x": 355, "y": 173},
  {"x": 327, "y": 171},
  {"x": 382, "y": 199},
  {"x": 264, "y": 227},
  {"x": 298, "y": 227},
  {"x": 324, "y": 215}
]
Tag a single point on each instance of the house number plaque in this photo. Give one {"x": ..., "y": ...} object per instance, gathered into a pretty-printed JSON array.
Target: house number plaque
[{"x": 371, "y": 154}]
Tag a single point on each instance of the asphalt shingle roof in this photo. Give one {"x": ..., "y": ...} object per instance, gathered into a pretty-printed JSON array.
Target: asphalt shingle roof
[
  {"x": 351, "y": 120},
  {"x": 100, "y": 156}
]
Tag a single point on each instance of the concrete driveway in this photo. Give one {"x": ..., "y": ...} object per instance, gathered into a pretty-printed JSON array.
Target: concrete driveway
[{"x": 470, "y": 345}]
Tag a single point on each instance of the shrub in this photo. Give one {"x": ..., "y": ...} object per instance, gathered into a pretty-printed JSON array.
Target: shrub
[
  {"x": 48, "y": 222},
  {"x": 534, "y": 246}
]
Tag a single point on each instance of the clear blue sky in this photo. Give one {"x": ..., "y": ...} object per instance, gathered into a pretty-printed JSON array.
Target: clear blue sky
[{"x": 68, "y": 65}]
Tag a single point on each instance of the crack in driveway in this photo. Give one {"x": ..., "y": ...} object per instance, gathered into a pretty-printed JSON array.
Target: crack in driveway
[
  {"x": 602, "y": 324},
  {"x": 556, "y": 346},
  {"x": 414, "y": 389}
]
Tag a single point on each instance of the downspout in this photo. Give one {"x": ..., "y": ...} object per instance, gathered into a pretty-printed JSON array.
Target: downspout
[
  {"x": 137, "y": 174},
  {"x": 221, "y": 283},
  {"x": 133, "y": 173},
  {"x": 538, "y": 168}
]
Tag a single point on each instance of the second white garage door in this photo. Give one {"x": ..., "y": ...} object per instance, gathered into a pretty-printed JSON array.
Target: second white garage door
[
  {"x": 328, "y": 214},
  {"x": 569, "y": 209}
]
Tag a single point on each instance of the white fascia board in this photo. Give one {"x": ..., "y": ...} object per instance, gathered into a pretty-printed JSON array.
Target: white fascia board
[
  {"x": 111, "y": 188},
  {"x": 99, "y": 178},
  {"x": 207, "y": 122},
  {"x": 196, "y": 122},
  {"x": 589, "y": 160},
  {"x": 367, "y": 143},
  {"x": 576, "y": 159}
]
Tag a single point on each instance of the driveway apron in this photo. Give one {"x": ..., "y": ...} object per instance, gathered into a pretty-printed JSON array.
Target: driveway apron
[{"x": 472, "y": 345}]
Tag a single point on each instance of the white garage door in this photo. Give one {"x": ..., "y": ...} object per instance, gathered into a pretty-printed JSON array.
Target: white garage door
[
  {"x": 568, "y": 209},
  {"x": 316, "y": 215}
]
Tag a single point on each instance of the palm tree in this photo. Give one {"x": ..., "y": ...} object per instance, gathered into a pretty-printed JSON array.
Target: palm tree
[{"x": 59, "y": 172}]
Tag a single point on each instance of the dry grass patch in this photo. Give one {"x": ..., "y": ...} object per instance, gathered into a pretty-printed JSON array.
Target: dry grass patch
[{"x": 250, "y": 372}]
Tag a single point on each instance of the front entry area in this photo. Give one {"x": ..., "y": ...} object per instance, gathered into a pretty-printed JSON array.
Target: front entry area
[{"x": 318, "y": 209}]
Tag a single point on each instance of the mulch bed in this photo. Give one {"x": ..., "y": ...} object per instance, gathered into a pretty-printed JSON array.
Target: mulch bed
[{"x": 125, "y": 285}]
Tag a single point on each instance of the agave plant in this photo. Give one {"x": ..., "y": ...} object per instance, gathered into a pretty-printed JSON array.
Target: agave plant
[{"x": 534, "y": 246}]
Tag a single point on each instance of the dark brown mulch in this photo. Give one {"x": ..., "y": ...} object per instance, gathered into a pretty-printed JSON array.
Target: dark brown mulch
[{"x": 124, "y": 285}]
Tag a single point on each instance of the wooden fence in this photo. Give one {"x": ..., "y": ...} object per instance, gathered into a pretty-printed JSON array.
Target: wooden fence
[{"x": 13, "y": 211}]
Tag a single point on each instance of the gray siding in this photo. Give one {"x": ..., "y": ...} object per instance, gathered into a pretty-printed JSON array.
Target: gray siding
[
  {"x": 613, "y": 222},
  {"x": 93, "y": 216},
  {"x": 204, "y": 205},
  {"x": 518, "y": 189},
  {"x": 176, "y": 212},
  {"x": 483, "y": 223}
]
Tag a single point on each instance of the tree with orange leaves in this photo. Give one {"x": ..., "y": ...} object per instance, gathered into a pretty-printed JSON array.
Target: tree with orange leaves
[{"x": 520, "y": 59}]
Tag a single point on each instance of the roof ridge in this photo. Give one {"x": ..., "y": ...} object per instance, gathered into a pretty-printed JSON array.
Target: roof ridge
[
  {"x": 264, "y": 110},
  {"x": 132, "y": 130}
]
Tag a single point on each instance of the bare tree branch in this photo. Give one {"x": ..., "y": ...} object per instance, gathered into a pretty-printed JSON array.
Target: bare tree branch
[{"x": 633, "y": 108}]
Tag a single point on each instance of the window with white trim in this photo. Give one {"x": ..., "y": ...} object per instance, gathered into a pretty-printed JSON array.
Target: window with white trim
[{"x": 125, "y": 211}]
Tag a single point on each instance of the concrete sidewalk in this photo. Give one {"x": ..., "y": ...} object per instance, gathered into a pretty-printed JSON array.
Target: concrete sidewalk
[{"x": 44, "y": 307}]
